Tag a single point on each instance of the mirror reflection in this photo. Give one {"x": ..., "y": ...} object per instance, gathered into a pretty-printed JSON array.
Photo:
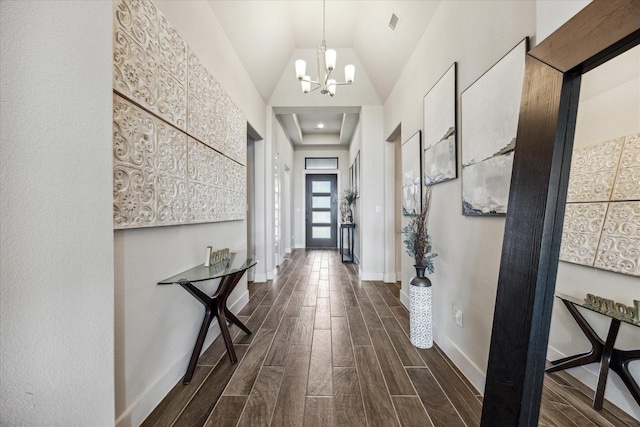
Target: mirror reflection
[{"x": 600, "y": 249}]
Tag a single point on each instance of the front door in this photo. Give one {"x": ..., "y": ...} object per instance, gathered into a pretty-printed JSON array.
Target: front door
[{"x": 322, "y": 211}]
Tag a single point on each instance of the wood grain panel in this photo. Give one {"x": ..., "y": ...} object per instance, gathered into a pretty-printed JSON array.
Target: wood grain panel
[
  {"x": 290, "y": 405},
  {"x": 303, "y": 333},
  {"x": 462, "y": 398},
  {"x": 319, "y": 412},
  {"x": 320, "y": 369},
  {"x": 516, "y": 361},
  {"x": 350, "y": 299},
  {"x": 262, "y": 400},
  {"x": 411, "y": 412},
  {"x": 337, "y": 304},
  {"x": 390, "y": 292},
  {"x": 401, "y": 342},
  {"x": 323, "y": 314},
  {"x": 249, "y": 368},
  {"x": 347, "y": 402},
  {"x": 359, "y": 332},
  {"x": 323, "y": 288},
  {"x": 369, "y": 314},
  {"x": 402, "y": 316},
  {"x": 341, "y": 342},
  {"x": 217, "y": 349},
  {"x": 178, "y": 398},
  {"x": 280, "y": 347},
  {"x": 227, "y": 411},
  {"x": 596, "y": 27},
  {"x": 311, "y": 296},
  {"x": 398, "y": 382},
  {"x": 254, "y": 323},
  {"x": 378, "y": 302},
  {"x": 277, "y": 311},
  {"x": 255, "y": 300},
  {"x": 377, "y": 403},
  {"x": 295, "y": 303},
  {"x": 439, "y": 408},
  {"x": 199, "y": 408}
]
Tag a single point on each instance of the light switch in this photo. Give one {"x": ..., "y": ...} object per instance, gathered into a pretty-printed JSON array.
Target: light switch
[{"x": 378, "y": 209}]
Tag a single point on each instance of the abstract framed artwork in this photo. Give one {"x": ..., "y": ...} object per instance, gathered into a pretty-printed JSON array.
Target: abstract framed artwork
[
  {"x": 439, "y": 126},
  {"x": 411, "y": 175},
  {"x": 490, "y": 108},
  {"x": 356, "y": 174},
  {"x": 351, "y": 177}
]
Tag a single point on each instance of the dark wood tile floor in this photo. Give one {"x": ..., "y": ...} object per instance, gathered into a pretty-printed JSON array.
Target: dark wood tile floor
[{"x": 328, "y": 349}]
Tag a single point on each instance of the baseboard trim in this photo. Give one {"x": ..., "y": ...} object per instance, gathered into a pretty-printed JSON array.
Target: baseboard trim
[
  {"x": 260, "y": 278},
  {"x": 287, "y": 250},
  {"x": 390, "y": 278},
  {"x": 140, "y": 409},
  {"x": 371, "y": 276},
  {"x": 474, "y": 374},
  {"x": 404, "y": 298}
]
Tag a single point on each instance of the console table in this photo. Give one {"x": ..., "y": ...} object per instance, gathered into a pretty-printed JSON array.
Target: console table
[
  {"x": 347, "y": 255},
  {"x": 602, "y": 352},
  {"x": 229, "y": 272}
]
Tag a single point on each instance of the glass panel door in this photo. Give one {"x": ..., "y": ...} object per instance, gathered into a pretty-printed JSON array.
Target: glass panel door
[{"x": 321, "y": 218}]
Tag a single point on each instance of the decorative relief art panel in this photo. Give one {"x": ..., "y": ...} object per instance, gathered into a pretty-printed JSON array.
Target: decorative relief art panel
[
  {"x": 604, "y": 235},
  {"x": 593, "y": 171},
  {"x": 150, "y": 160},
  {"x": 150, "y": 60},
  {"x": 581, "y": 232},
  {"x": 179, "y": 149},
  {"x": 619, "y": 248},
  {"x": 627, "y": 186}
]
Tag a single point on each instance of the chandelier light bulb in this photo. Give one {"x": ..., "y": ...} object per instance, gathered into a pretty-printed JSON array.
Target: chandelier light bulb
[
  {"x": 301, "y": 67},
  {"x": 331, "y": 85},
  {"x": 330, "y": 59},
  {"x": 349, "y": 73},
  {"x": 306, "y": 84}
]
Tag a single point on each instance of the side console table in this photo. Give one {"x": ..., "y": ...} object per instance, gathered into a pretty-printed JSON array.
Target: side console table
[
  {"x": 602, "y": 352},
  {"x": 229, "y": 272},
  {"x": 347, "y": 255}
]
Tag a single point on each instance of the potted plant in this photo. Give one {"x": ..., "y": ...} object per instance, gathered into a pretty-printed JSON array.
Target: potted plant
[
  {"x": 347, "y": 198},
  {"x": 419, "y": 248}
]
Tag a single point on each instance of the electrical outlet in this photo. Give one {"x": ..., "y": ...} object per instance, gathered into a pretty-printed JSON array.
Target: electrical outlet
[{"x": 458, "y": 315}]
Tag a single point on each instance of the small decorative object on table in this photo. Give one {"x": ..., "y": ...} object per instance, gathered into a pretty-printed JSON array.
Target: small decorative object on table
[
  {"x": 347, "y": 198},
  {"x": 419, "y": 248}
]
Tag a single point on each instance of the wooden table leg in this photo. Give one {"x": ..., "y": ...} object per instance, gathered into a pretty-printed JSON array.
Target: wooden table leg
[
  {"x": 215, "y": 306},
  {"x": 607, "y": 352}
]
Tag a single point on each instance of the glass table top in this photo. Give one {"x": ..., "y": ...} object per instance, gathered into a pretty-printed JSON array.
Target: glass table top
[
  {"x": 607, "y": 311},
  {"x": 237, "y": 262}
]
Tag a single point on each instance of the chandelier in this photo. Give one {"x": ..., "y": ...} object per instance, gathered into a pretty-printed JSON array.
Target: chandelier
[{"x": 326, "y": 62}]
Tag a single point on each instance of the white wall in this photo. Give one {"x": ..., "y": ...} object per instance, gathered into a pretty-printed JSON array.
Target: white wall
[
  {"x": 56, "y": 275},
  {"x": 373, "y": 177},
  {"x": 609, "y": 108},
  {"x": 476, "y": 35},
  {"x": 156, "y": 326}
]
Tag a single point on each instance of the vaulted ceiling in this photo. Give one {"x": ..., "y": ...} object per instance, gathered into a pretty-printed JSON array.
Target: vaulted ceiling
[{"x": 266, "y": 33}]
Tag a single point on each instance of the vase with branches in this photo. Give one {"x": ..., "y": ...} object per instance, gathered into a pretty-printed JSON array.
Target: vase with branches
[
  {"x": 347, "y": 198},
  {"x": 416, "y": 237},
  {"x": 416, "y": 240}
]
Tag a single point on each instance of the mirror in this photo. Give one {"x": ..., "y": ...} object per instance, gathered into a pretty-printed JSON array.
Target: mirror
[{"x": 600, "y": 247}]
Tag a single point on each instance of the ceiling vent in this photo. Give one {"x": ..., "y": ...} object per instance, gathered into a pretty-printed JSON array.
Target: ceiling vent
[{"x": 394, "y": 21}]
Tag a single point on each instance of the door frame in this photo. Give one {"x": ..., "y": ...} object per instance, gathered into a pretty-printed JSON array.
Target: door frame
[
  {"x": 337, "y": 174},
  {"x": 333, "y": 209}
]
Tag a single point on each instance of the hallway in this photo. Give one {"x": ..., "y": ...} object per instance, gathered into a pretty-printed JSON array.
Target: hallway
[{"x": 331, "y": 350}]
